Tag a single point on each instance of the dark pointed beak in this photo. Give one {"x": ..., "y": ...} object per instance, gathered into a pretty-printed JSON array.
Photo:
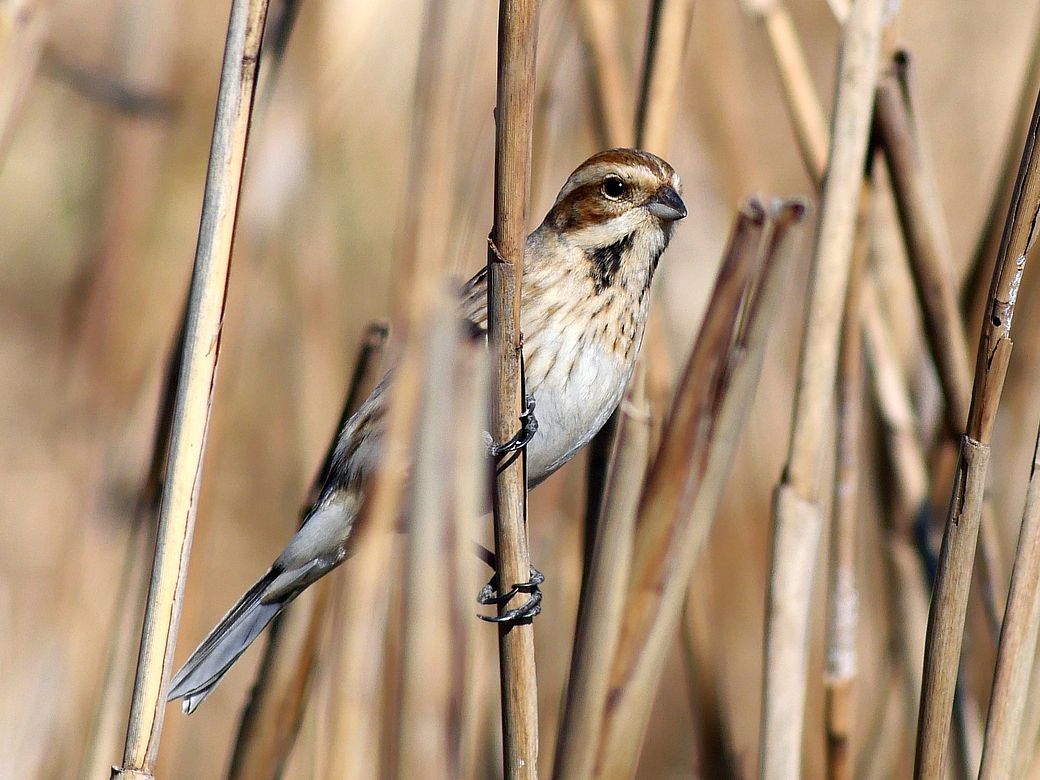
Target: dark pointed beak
[{"x": 666, "y": 204}]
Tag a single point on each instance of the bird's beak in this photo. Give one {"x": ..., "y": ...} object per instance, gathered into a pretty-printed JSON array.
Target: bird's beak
[{"x": 666, "y": 204}]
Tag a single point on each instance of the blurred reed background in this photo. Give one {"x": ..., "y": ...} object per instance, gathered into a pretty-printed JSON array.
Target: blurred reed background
[{"x": 106, "y": 113}]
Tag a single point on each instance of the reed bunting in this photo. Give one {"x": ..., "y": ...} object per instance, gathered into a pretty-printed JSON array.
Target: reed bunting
[{"x": 584, "y": 302}]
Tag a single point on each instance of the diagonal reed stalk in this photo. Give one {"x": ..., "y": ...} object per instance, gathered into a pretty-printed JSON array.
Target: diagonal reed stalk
[
  {"x": 271, "y": 719},
  {"x": 517, "y": 43},
  {"x": 195, "y": 386},
  {"x": 683, "y": 488},
  {"x": 797, "y": 517},
  {"x": 953, "y": 575}
]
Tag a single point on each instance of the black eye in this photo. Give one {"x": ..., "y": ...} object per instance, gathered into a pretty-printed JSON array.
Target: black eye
[{"x": 613, "y": 187}]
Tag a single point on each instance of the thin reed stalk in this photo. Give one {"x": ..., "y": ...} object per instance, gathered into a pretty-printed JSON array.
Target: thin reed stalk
[
  {"x": 424, "y": 711},
  {"x": 195, "y": 386},
  {"x": 953, "y": 575},
  {"x": 517, "y": 43},
  {"x": 685, "y": 483},
  {"x": 271, "y": 719},
  {"x": 843, "y": 595},
  {"x": 797, "y": 517}
]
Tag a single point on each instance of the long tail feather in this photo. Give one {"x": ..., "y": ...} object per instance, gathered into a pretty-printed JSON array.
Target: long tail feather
[{"x": 224, "y": 644}]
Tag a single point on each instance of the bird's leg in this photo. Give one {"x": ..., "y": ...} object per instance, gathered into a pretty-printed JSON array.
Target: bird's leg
[
  {"x": 489, "y": 593},
  {"x": 528, "y": 428}
]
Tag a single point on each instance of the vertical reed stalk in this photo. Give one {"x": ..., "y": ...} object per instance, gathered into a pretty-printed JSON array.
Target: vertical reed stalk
[
  {"x": 843, "y": 596},
  {"x": 517, "y": 42},
  {"x": 425, "y": 708},
  {"x": 195, "y": 386},
  {"x": 953, "y": 575},
  {"x": 797, "y": 515},
  {"x": 612, "y": 89}
]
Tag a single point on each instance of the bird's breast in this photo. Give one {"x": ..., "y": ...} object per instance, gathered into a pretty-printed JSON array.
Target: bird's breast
[{"x": 576, "y": 386}]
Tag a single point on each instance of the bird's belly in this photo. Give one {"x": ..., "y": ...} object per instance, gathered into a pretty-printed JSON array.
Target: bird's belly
[{"x": 573, "y": 400}]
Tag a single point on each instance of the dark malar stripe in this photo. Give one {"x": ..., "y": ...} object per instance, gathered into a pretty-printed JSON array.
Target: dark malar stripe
[{"x": 606, "y": 262}]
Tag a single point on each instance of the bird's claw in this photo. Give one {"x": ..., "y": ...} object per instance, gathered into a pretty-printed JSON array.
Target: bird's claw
[
  {"x": 528, "y": 428},
  {"x": 489, "y": 595}
]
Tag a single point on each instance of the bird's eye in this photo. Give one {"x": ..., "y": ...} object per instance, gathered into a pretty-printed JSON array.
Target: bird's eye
[{"x": 613, "y": 187}]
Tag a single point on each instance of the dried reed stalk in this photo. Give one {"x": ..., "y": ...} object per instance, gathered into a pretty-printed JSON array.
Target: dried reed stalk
[
  {"x": 23, "y": 28},
  {"x": 195, "y": 386},
  {"x": 667, "y": 496},
  {"x": 843, "y": 596},
  {"x": 424, "y": 712},
  {"x": 797, "y": 516},
  {"x": 472, "y": 642},
  {"x": 602, "y": 602},
  {"x": 517, "y": 42},
  {"x": 685, "y": 483},
  {"x": 271, "y": 720},
  {"x": 953, "y": 576}
]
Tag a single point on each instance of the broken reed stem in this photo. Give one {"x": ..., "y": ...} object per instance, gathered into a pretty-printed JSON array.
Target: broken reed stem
[
  {"x": 424, "y": 712},
  {"x": 517, "y": 43},
  {"x": 195, "y": 386},
  {"x": 670, "y": 489},
  {"x": 23, "y": 30},
  {"x": 602, "y": 602},
  {"x": 843, "y": 598},
  {"x": 797, "y": 518},
  {"x": 612, "y": 91},
  {"x": 683, "y": 488},
  {"x": 273, "y": 715},
  {"x": 668, "y": 34},
  {"x": 953, "y": 575}
]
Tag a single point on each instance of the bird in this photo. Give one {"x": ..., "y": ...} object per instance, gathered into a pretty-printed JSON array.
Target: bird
[{"x": 585, "y": 297}]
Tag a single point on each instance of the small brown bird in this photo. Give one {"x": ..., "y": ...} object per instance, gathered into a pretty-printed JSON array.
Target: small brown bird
[{"x": 585, "y": 298}]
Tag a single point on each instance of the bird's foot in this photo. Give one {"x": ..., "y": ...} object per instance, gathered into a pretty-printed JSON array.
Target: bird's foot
[
  {"x": 489, "y": 595},
  {"x": 528, "y": 428}
]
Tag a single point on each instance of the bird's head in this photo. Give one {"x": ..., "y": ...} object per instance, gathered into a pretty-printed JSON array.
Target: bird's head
[
  {"x": 616, "y": 192},
  {"x": 622, "y": 202}
]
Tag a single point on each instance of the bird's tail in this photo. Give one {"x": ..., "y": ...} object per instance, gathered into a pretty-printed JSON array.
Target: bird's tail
[{"x": 224, "y": 644}]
